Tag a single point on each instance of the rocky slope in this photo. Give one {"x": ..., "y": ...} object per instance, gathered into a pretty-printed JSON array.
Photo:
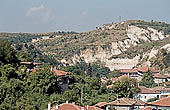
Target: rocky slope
[{"x": 117, "y": 45}]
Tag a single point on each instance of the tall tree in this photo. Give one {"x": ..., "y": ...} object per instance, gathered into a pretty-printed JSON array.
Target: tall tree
[
  {"x": 125, "y": 87},
  {"x": 147, "y": 80},
  {"x": 7, "y": 53}
]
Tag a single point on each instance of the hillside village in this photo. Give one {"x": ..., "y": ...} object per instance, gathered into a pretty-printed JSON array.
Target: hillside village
[
  {"x": 139, "y": 101},
  {"x": 119, "y": 66}
]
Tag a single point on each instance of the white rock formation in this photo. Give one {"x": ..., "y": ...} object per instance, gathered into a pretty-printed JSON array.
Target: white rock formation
[{"x": 135, "y": 35}]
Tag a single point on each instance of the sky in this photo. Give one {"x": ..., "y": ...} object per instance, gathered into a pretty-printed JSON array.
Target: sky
[{"x": 76, "y": 15}]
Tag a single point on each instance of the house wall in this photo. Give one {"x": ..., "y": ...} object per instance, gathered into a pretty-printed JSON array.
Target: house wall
[
  {"x": 145, "y": 97},
  {"x": 156, "y": 80},
  {"x": 160, "y": 108},
  {"x": 123, "y": 108},
  {"x": 165, "y": 92}
]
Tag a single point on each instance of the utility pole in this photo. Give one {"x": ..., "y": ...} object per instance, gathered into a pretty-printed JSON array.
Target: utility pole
[{"x": 120, "y": 19}]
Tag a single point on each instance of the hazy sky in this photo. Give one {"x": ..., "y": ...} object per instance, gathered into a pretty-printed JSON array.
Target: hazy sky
[{"x": 76, "y": 15}]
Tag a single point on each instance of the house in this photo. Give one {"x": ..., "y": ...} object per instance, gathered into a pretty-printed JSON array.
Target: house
[
  {"x": 102, "y": 105},
  {"x": 30, "y": 65},
  {"x": 146, "y": 69},
  {"x": 165, "y": 92},
  {"x": 137, "y": 73},
  {"x": 63, "y": 78},
  {"x": 146, "y": 93},
  {"x": 71, "y": 106},
  {"x": 160, "y": 78},
  {"x": 162, "y": 104},
  {"x": 127, "y": 104},
  {"x": 133, "y": 73},
  {"x": 65, "y": 106}
]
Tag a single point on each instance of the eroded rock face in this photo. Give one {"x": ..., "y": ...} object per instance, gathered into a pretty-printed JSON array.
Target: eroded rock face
[
  {"x": 167, "y": 47},
  {"x": 135, "y": 36}
]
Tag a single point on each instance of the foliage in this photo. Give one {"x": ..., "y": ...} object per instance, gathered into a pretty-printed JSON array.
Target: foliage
[
  {"x": 87, "y": 91},
  {"x": 32, "y": 91},
  {"x": 152, "y": 99},
  {"x": 7, "y": 54},
  {"x": 82, "y": 68},
  {"x": 147, "y": 80},
  {"x": 113, "y": 74},
  {"x": 125, "y": 87},
  {"x": 44, "y": 81}
]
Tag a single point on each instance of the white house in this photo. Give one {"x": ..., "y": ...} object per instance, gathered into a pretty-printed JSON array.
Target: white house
[
  {"x": 165, "y": 92},
  {"x": 160, "y": 78},
  {"x": 146, "y": 93}
]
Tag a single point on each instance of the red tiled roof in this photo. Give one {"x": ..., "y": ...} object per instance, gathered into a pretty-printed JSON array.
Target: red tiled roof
[
  {"x": 160, "y": 76},
  {"x": 109, "y": 86},
  {"x": 127, "y": 102},
  {"x": 154, "y": 71},
  {"x": 145, "y": 90},
  {"x": 165, "y": 102},
  {"x": 139, "y": 102},
  {"x": 92, "y": 108},
  {"x": 101, "y": 104},
  {"x": 33, "y": 70},
  {"x": 160, "y": 88},
  {"x": 67, "y": 107},
  {"x": 60, "y": 73},
  {"x": 70, "y": 106},
  {"x": 146, "y": 108},
  {"x": 143, "y": 69},
  {"x": 146, "y": 69},
  {"x": 128, "y": 70}
]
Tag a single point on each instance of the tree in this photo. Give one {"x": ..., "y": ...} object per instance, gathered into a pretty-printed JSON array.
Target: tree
[
  {"x": 7, "y": 54},
  {"x": 125, "y": 87},
  {"x": 147, "y": 80},
  {"x": 44, "y": 81},
  {"x": 152, "y": 99}
]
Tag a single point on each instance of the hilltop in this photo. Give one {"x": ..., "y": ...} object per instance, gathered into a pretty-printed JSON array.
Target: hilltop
[{"x": 128, "y": 44}]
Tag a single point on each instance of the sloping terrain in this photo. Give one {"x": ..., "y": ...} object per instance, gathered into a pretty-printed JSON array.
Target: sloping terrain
[{"x": 117, "y": 45}]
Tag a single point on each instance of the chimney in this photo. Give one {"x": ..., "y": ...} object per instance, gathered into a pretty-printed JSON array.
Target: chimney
[
  {"x": 49, "y": 106},
  {"x": 67, "y": 102},
  {"x": 107, "y": 108},
  {"x": 87, "y": 107},
  {"x": 56, "y": 107}
]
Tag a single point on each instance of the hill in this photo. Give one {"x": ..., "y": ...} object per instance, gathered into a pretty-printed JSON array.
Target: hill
[{"x": 128, "y": 44}]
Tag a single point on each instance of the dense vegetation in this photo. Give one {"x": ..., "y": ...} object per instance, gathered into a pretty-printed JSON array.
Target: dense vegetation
[
  {"x": 148, "y": 80},
  {"x": 22, "y": 90}
]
